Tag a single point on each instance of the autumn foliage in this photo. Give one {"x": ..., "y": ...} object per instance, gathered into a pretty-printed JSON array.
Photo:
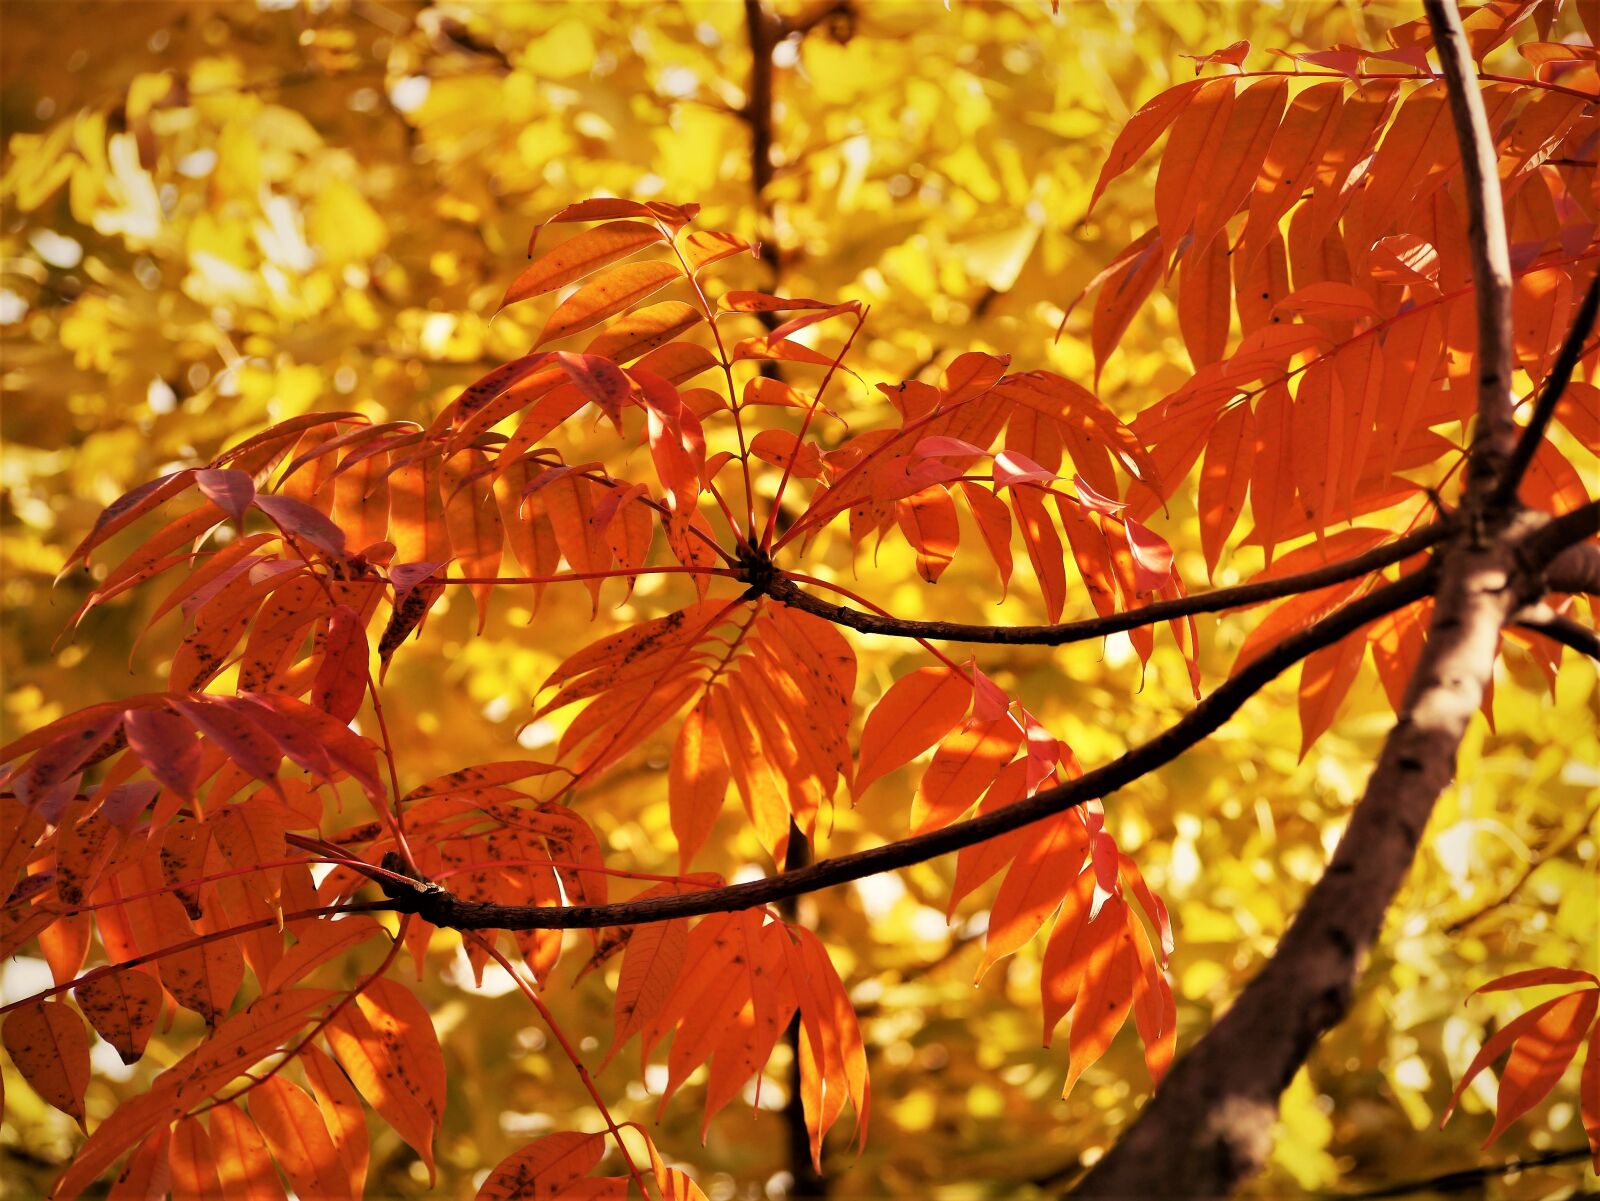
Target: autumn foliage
[{"x": 160, "y": 847}]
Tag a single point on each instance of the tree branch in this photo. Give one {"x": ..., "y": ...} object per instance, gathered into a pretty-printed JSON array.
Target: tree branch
[
  {"x": 1565, "y": 363},
  {"x": 1538, "y": 859},
  {"x": 764, "y": 32},
  {"x": 779, "y": 588},
  {"x": 1495, "y": 436},
  {"x": 1576, "y": 569},
  {"x": 437, "y": 905},
  {"x": 1467, "y": 1178},
  {"x": 1565, "y": 631},
  {"x": 1210, "y": 1123},
  {"x": 1557, "y": 550}
]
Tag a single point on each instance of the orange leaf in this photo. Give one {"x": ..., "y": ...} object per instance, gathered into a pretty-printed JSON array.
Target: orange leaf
[
  {"x": 966, "y": 763},
  {"x": 697, "y": 782},
  {"x": 146, "y": 1174},
  {"x": 1067, "y": 953},
  {"x": 1196, "y": 140},
  {"x": 1325, "y": 679},
  {"x": 1231, "y": 171},
  {"x": 122, "y": 1007},
  {"x": 294, "y": 1128},
  {"x": 1045, "y": 871},
  {"x": 647, "y": 331},
  {"x": 386, "y": 1043},
  {"x": 704, "y": 247},
  {"x": 1540, "y": 1055},
  {"x": 1312, "y": 115},
  {"x": 242, "y": 1162},
  {"x": 1155, "y": 1012},
  {"x": 193, "y": 1161},
  {"x": 473, "y": 523},
  {"x": 1044, "y": 548},
  {"x": 1499, "y": 1042},
  {"x": 1224, "y": 479},
  {"x": 1141, "y": 132},
  {"x": 341, "y": 1110},
  {"x": 1205, "y": 300},
  {"x": 50, "y": 1047},
  {"x": 1106, "y": 995},
  {"x": 1120, "y": 296},
  {"x": 206, "y": 977},
  {"x": 762, "y": 302},
  {"x": 579, "y": 256},
  {"x": 917, "y": 711},
  {"x": 606, "y": 295},
  {"x": 544, "y": 1168},
  {"x": 928, "y": 521}
]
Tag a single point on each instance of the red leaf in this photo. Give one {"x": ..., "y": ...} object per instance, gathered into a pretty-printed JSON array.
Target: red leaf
[
  {"x": 235, "y": 732},
  {"x": 300, "y": 520},
  {"x": 228, "y": 489},
  {"x": 1538, "y": 975},
  {"x": 59, "y": 759},
  {"x": 166, "y": 745},
  {"x": 341, "y": 680}
]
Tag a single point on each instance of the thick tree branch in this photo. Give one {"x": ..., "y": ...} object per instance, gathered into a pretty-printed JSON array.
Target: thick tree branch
[
  {"x": 1216, "y": 601},
  {"x": 437, "y": 905},
  {"x": 1558, "y": 552},
  {"x": 1577, "y": 569},
  {"x": 1210, "y": 1124},
  {"x": 1495, "y": 434},
  {"x": 1561, "y": 369}
]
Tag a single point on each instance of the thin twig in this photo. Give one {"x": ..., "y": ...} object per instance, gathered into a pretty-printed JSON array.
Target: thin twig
[
  {"x": 1567, "y": 632},
  {"x": 1544, "y": 855},
  {"x": 1453, "y": 1182},
  {"x": 785, "y": 591}
]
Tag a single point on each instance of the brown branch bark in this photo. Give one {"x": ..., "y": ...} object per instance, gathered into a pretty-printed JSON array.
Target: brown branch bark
[
  {"x": 1576, "y": 570},
  {"x": 439, "y": 906},
  {"x": 1467, "y": 1178},
  {"x": 1565, "y": 631},
  {"x": 1495, "y": 435},
  {"x": 1216, "y": 601},
  {"x": 1209, "y": 1125},
  {"x": 764, "y": 32}
]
